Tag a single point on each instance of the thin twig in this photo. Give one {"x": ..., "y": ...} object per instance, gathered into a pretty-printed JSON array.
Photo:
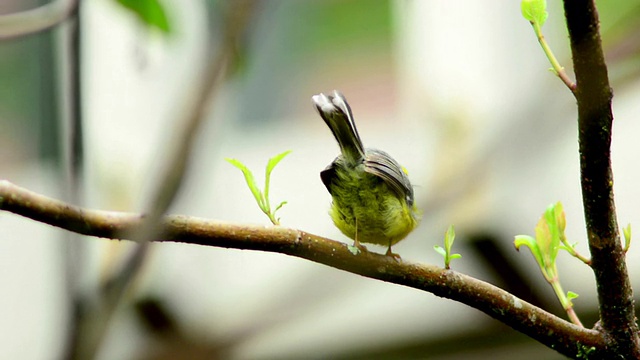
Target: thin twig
[
  {"x": 554, "y": 332},
  {"x": 555, "y": 65}
]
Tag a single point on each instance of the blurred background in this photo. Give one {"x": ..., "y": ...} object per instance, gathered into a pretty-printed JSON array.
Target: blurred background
[{"x": 457, "y": 91}]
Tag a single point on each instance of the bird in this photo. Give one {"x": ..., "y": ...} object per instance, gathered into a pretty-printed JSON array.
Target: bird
[{"x": 372, "y": 197}]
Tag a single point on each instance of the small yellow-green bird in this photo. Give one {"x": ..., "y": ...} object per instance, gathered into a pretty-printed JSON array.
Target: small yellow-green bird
[{"x": 372, "y": 195}]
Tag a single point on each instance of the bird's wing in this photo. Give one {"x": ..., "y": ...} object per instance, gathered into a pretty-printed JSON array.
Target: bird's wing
[
  {"x": 327, "y": 175},
  {"x": 379, "y": 163}
]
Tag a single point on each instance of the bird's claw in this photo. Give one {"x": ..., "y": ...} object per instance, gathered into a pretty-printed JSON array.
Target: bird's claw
[{"x": 395, "y": 256}]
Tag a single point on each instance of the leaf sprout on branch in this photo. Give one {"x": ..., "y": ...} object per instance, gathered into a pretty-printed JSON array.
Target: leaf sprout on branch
[
  {"x": 550, "y": 238},
  {"x": 449, "y": 237},
  {"x": 535, "y": 11},
  {"x": 262, "y": 198}
]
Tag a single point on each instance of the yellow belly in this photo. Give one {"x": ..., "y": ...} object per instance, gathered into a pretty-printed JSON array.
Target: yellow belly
[{"x": 367, "y": 210}]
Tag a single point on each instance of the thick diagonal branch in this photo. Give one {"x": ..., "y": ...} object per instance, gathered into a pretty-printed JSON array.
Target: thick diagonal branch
[{"x": 550, "y": 330}]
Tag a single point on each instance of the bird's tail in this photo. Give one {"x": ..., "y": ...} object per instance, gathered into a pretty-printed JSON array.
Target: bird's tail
[{"x": 336, "y": 113}]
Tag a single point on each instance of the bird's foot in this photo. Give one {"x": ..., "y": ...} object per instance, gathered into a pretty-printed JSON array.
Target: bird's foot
[
  {"x": 395, "y": 256},
  {"x": 357, "y": 248}
]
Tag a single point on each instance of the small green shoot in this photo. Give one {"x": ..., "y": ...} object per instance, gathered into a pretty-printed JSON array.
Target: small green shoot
[
  {"x": 535, "y": 11},
  {"x": 570, "y": 248},
  {"x": 571, "y": 295},
  {"x": 627, "y": 237},
  {"x": 549, "y": 239},
  {"x": 449, "y": 237},
  {"x": 262, "y": 198}
]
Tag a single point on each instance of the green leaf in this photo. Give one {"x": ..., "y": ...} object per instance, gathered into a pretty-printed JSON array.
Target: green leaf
[
  {"x": 455, "y": 256},
  {"x": 279, "y": 206},
  {"x": 627, "y": 237},
  {"x": 561, "y": 220},
  {"x": 627, "y": 231},
  {"x": 270, "y": 166},
  {"x": 544, "y": 241},
  {"x": 440, "y": 250},
  {"x": 534, "y": 11},
  {"x": 526, "y": 240},
  {"x": 275, "y": 160},
  {"x": 449, "y": 237},
  {"x": 251, "y": 182},
  {"x": 571, "y": 295},
  {"x": 550, "y": 250},
  {"x": 150, "y": 12}
]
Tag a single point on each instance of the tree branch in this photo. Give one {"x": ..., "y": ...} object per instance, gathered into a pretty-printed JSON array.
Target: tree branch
[
  {"x": 238, "y": 15},
  {"x": 35, "y": 20},
  {"x": 546, "y": 328},
  {"x": 595, "y": 119}
]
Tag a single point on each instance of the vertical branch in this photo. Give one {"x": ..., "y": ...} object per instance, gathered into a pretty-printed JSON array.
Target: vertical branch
[
  {"x": 198, "y": 98},
  {"x": 76, "y": 161},
  {"x": 593, "y": 94},
  {"x": 72, "y": 165}
]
